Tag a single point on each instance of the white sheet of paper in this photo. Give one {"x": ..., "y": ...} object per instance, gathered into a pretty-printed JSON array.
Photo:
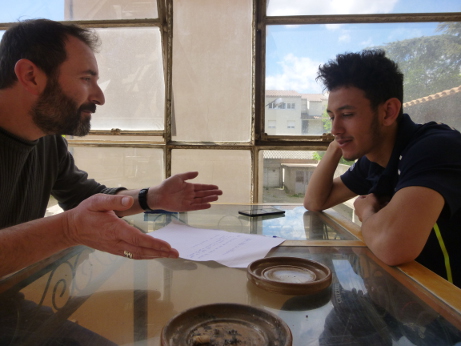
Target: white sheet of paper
[{"x": 236, "y": 250}]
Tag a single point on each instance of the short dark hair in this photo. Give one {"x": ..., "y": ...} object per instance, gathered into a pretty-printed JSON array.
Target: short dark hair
[
  {"x": 370, "y": 70},
  {"x": 42, "y": 41}
]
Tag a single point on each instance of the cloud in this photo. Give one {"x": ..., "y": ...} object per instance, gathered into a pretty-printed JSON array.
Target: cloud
[
  {"x": 306, "y": 7},
  {"x": 298, "y": 74},
  {"x": 345, "y": 38}
]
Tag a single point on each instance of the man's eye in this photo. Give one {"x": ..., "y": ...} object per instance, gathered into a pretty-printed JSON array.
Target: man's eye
[{"x": 347, "y": 114}]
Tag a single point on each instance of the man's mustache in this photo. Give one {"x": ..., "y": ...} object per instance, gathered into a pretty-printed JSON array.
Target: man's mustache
[{"x": 88, "y": 107}]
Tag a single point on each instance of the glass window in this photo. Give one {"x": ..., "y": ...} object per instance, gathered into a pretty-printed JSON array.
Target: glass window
[
  {"x": 284, "y": 175},
  {"x": 229, "y": 169},
  {"x": 427, "y": 53},
  {"x": 128, "y": 167},
  {"x": 212, "y": 70},
  {"x": 110, "y": 9},
  {"x": 11, "y": 11},
  {"x": 313, "y": 7},
  {"x": 131, "y": 76},
  {"x": 280, "y": 174}
]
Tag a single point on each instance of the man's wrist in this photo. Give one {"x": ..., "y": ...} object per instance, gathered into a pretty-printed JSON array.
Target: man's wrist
[{"x": 142, "y": 199}]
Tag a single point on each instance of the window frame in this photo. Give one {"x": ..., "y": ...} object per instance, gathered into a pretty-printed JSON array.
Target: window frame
[{"x": 259, "y": 139}]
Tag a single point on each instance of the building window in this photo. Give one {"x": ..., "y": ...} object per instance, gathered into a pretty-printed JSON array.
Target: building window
[
  {"x": 271, "y": 124},
  {"x": 291, "y": 124}
]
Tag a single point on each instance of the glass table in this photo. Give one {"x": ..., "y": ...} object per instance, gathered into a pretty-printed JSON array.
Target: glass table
[{"x": 87, "y": 297}]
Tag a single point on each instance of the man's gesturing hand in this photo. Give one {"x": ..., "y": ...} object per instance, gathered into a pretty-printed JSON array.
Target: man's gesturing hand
[
  {"x": 175, "y": 194},
  {"x": 94, "y": 223}
]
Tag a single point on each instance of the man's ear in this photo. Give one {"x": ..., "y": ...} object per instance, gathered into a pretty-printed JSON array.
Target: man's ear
[
  {"x": 392, "y": 109},
  {"x": 30, "y": 76}
]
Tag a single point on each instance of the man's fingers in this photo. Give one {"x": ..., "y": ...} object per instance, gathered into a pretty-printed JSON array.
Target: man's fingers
[
  {"x": 143, "y": 246},
  {"x": 103, "y": 202},
  {"x": 187, "y": 175},
  {"x": 207, "y": 187},
  {"x": 132, "y": 252}
]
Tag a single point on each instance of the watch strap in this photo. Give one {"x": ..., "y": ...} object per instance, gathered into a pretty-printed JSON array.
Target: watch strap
[{"x": 142, "y": 199}]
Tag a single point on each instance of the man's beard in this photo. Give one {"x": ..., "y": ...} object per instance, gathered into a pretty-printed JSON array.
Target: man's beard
[
  {"x": 376, "y": 134},
  {"x": 57, "y": 113}
]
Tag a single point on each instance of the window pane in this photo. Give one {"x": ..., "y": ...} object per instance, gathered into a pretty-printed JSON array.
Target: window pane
[
  {"x": 11, "y": 11},
  {"x": 293, "y": 113},
  {"x": 280, "y": 176},
  {"x": 131, "y": 76},
  {"x": 229, "y": 169},
  {"x": 312, "y": 7},
  {"x": 284, "y": 175},
  {"x": 427, "y": 53},
  {"x": 128, "y": 167},
  {"x": 110, "y": 9},
  {"x": 212, "y": 74}
]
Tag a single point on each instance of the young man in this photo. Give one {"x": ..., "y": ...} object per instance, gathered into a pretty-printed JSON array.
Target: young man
[
  {"x": 407, "y": 175},
  {"x": 48, "y": 87}
]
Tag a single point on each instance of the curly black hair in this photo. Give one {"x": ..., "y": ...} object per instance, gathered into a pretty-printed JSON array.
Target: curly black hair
[{"x": 370, "y": 70}]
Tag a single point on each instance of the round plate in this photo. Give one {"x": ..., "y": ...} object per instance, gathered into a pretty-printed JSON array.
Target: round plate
[
  {"x": 226, "y": 324},
  {"x": 289, "y": 275}
]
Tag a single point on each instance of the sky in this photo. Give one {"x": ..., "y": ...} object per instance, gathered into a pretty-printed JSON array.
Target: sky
[
  {"x": 12, "y": 10},
  {"x": 294, "y": 53}
]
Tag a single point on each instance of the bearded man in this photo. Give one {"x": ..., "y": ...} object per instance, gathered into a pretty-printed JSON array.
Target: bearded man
[{"x": 48, "y": 88}]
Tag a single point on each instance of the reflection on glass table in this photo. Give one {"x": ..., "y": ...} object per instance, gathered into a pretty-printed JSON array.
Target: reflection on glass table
[
  {"x": 364, "y": 305},
  {"x": 296, "y": 224},
  {"x": 105, "y": 300}
]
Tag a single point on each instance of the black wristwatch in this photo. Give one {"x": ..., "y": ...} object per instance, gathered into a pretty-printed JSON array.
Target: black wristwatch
[{"x": 142, "y": 199}]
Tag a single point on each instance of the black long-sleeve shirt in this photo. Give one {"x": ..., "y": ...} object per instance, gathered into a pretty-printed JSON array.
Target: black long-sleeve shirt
[{"x": 32, "y": 171}]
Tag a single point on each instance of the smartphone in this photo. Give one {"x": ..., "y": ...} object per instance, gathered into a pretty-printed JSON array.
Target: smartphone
[{"x": 262, "y": 211}]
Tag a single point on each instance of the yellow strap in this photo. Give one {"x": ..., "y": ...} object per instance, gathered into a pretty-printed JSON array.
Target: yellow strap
[{"x": 445, "y": 252}]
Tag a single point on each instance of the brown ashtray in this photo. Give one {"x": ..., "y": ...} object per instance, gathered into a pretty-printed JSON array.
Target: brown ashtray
[
  {"x": 289, "y": 275},
  {"x": 226, "y": 324}
]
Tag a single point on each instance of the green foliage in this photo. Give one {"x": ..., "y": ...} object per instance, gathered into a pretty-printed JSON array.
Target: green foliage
[
  {"x": 318, "y": 156},
  {"x": 430, "y": 64},
  {"x": 327, "y": 129},
  {"x": 326, "y": 122}
]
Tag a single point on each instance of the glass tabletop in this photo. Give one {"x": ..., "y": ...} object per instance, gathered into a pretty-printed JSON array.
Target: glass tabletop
[
  {"x": 87, "y": 297},
  {"x": 296, "y": 223}
]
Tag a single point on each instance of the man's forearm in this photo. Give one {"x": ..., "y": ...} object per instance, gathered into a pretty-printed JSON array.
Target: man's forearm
[
  {"x": 321, "y": 182},
  {"x": 30, "y": 242},
  {"x": 397, "y": 231}
]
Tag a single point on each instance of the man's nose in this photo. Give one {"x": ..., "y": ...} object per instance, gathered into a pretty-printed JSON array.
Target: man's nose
[
  {"x": 97, "y": 96},
  {"x": 336, "y": 126}
]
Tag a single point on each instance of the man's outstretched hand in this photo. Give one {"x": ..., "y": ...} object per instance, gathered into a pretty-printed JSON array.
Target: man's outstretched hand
[{"x": 176, "y": 194}]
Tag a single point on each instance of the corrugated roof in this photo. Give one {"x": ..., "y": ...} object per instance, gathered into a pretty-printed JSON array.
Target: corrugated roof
[
  {"x": 284, "y": 154},
  {"x": 432, "y": 97},
  {"x": 286, "y": 93},
  {"x": 314, "y": 97},
  {"x": 292, "y": 93}
]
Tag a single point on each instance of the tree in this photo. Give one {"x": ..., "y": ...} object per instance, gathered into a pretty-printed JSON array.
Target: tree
[{"x": 430, "y": 63}]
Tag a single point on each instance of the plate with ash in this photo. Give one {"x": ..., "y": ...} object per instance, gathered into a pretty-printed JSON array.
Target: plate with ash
[{"x": 224, "y": 325}]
